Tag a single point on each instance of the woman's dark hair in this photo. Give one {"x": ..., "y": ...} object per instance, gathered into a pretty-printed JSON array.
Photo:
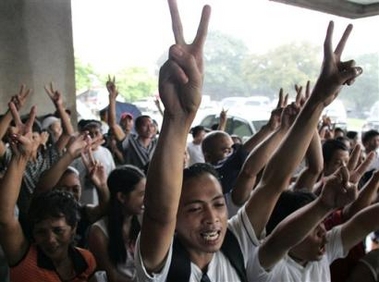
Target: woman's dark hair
[
  {"x": 56, "y": 204},
  {"x": 288, "y": 202},
  {"x": 122, "y": 179}
]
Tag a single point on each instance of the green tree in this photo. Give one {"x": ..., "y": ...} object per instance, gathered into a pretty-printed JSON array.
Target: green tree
[
  {"x": 223, "y": 57},
  {"x": 283, "y": 66},
  {"x": 83, "y": 74},
  {"x": 365, "y": 91},
  {"x": 135, "y": 83}
]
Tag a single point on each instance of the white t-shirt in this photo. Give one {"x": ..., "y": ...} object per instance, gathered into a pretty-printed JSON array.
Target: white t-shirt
[
  {"x": 195, "y": 153},
  {"x": 219, "y": 269},
  {"x": 290, "y": 271}
]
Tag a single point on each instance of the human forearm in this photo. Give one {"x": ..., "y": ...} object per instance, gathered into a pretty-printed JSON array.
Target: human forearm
[
  {"x": 50, "y": 177},
  {"x": 257, "y": 138},
  {"x": 10, "y": 188},
  {"x": 291, "y": 231},
  {"x": 254, "y": 163}
]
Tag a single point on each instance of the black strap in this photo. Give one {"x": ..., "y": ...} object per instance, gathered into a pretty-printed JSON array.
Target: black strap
[
  {"x": 180, "y": 267},
  {"x": 231, "y": 249}
]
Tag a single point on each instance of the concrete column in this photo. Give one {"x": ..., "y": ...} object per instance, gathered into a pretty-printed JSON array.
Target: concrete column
[{"x": 36, "y": 47}]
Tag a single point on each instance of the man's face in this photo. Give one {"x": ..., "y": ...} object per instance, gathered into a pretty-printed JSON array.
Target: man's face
[
  {"x": 339, "y": 158},
  {"x": 221, "y": 149},
  {"x": 202, "y": 215},
  {"x": 146, "y": 128},
  {"x": 312, "y": 248},
  {"x": 372, "y": 144}
]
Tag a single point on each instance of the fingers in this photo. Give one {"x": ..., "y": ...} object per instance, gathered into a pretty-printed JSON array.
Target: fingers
[
  {"x": 202, "y": 30},
  {"x": 342, "y": 43},
  {"x": 343, "y": 175},
  {"x": 280, "y": 100},
  {"x": 15, "y": 114},
  {"x": 308, "y": 90},
  {"x": 354, "y": 157},
  {"x": 328, "y": 51},
  {"x": 177, "y": 27},
  {"x": 30, "y": 121}
]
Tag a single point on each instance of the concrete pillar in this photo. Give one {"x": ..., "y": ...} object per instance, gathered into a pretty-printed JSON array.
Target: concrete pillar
[{"x": 36, "y": 47}]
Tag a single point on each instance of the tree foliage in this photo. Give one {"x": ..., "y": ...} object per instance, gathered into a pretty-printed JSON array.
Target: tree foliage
[
  {"x": 282, "y": 67},
  {"x": 365, "y": 90},
  {"x": 135, "y": 83}
]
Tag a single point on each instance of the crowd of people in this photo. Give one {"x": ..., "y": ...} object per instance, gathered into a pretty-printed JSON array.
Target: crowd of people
[{"x": 294, "y": 202}]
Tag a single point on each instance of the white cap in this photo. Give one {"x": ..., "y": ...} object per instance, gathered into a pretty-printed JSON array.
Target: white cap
[{"x": 49, "y": 121}]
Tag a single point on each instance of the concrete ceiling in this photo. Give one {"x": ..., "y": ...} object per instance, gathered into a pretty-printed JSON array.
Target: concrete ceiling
[{"x": 344, "y": 8}]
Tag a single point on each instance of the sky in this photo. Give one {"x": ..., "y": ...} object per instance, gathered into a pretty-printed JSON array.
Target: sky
[{"x": 114, "y": 34}]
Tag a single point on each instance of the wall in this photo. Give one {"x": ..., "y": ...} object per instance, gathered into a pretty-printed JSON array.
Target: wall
[{"x": 36, "y": 47}]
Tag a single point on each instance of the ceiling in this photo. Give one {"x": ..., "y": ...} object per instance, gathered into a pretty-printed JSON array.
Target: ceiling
[{"x": 353, "y": 9}]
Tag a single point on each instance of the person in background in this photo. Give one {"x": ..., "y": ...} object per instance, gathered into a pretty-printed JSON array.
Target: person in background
[
  {"x": 137, "y": 148},
  {"x": 112, "y": 238},
  {"x": 194, "y": 147}
]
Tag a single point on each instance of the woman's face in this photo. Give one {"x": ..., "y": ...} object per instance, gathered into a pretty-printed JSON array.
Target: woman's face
[
  {"x": 133, "y": 202},
  {"x": 53, "y": 236}
]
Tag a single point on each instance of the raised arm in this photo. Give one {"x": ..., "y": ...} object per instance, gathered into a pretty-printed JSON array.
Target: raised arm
[
  {"x": 12, "y": 238},
  {"x": 118, "y": 132},
  {"x": 336, "y": 193},
  {"x": 98, "y": 176},
  {"x": 313, "y": 157},
  {"x": 277, "y": 174},
  {"x": 50, "y": 177},
  {"x": 260, "y": 155},
  {"x": 18, "y": 100},
  {"x": 180, "y": 88},
  {"x": 67, "y": 128}
]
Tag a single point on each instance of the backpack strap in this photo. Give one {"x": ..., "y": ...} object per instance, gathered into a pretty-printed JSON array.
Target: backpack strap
[
  {"x": 231, "y": 249},
  {"x": 180, "y": 267}
]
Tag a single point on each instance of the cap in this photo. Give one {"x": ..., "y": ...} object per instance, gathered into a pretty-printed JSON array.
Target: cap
[
  {"x": 125, "y": 115},
  {"x": 49, "y": 121}
]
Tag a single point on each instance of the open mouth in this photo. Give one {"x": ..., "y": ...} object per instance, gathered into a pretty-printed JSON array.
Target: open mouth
[{"x": 210, "y": 235}]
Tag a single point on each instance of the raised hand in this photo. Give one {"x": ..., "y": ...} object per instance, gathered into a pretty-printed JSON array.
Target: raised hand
[
  {"x": 334, "y": 72},
  {"x": 78, "y": 143},
  {"x": 338, "y": 191},
  {"x": 21, "y": 136},
  {"x": 20, "y": 98},
  {"x": 55, "y": 95},
  {"x": 276, "y": 113},
  {"x": 111, "y": 87},
  {"x": 181, "y": 77},
  {"x": 95, "y": 169},
  {"x": 357, "y": 171}
]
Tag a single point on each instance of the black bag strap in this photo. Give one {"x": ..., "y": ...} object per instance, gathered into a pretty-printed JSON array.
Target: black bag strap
[
  {"x": 180, "y": 267},
  {"x": 231, "y": 249}
]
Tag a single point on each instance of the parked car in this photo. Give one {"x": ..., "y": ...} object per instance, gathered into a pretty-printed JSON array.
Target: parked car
[
  {"x": 372, "y": 121},
  {"x": 241, "y": 124}
]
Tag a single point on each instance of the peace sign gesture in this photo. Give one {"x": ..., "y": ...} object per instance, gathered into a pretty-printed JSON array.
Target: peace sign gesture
[
  {"x": 334, "y": 73},
  {"x": 55, "y": 95},
  {"x": 21, "y": 135},
  {"x": 181, "y": 77}
]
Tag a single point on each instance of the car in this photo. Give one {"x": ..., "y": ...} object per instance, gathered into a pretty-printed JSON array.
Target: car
[
  {"x": 240, "y": 124},
  {"x": 372, "y": 121}
]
